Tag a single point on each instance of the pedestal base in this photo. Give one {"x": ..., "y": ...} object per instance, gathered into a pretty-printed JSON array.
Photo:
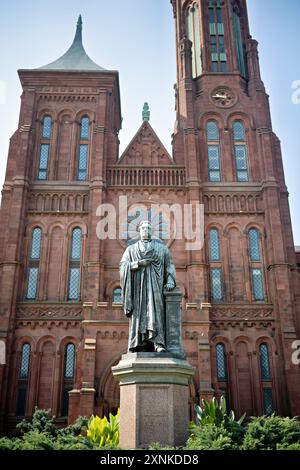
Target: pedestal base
[{"x": 154, "y": 397}]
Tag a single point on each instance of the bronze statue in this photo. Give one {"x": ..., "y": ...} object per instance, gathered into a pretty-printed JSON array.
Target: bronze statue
[{"x": 146, "y": 270}]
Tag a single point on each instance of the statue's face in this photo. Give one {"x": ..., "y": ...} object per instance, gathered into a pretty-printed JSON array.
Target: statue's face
[{"x": 145, "y": 231}]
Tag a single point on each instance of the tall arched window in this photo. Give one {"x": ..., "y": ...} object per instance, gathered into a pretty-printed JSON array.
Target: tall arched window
[
  {"x": 255, "y": 265},
  {"x": 221, "y": 362},
  {"x": 193, "y": 33},
  {"x": 34, "y": 264},
  {"x": 23, "y": 378},
  {"x": 217, "y": 40},
  {"x": 240, "y": 150},
  {"x": 83, "y": 151},
  {"x": 69, "y": 374},
  {"x": 239, "y": 46},
  {"x": 75, "y": 262},
  {"x": 45, "y": 148},
  {"x": 254, "y": 248},
  {"x": 266, "y": 379},
  {"x": 213, "y": 144},
  {"x": 214, "y": 245}
]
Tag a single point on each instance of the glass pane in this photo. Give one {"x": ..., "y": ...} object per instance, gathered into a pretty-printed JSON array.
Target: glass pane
[
  {"x": 36, "y": 244},
  {"x": 47, "y": 127},
  {"x": 21, "y": 401},
  {"x": 213, "y": 157},
  {"x": 32, "y": 283},
  {"x": 212, "y": 131},
  {"x": 25, "y": 359},
  {"x": 258, "y": 291},
  {"x": 221, "y": 362},
  {"x": 216, "y": 284},
  {"x": 197, "y": 42},
  {"x": 212, "y": 29},
  {"x": 215, "y": 66},
  {"x": 239, "y": 131},
  {"x": 82, "y": 162},
  {"x": 268, "y": 401},
  {"x": 214, "y": 245},
  {"x": 76, "y": 244},
  {"x": 220, "y": 28},
  {"x": 65, "y": 401},
  {"x": 254, "y": 251},
  {"x": 223, "y": 67},
  {"x": 241, "y": 157},
  {"x": 214, "y": 176},
  {"x": 69, "y": 361},
  {"x": 117, "y": 295},
  {"x": 85, "y": 128},
  {"x": 43, "y": 164},
  {"x": 74, "y": 283},
  {"x": 265, "y": 362},
  {"x": 242, "y": 176}
]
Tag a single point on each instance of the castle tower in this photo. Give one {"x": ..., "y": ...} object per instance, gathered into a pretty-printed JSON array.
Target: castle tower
[
  {"x": 69, "y": 121},
  {"x": 224, "y": 137}
]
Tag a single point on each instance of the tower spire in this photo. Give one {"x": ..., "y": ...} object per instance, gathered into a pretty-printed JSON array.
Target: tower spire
[
  {"x": 78, "y": 35},
  {"x": 146, "y": 112}
]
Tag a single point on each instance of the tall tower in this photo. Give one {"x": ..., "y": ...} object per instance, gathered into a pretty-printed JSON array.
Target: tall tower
[
  {"x": 50, "y": 276},
  {"x": 247, "y": 272}
]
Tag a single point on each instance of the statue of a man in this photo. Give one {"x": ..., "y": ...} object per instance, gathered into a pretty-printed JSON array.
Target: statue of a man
[{"x": 146, "y": 269}]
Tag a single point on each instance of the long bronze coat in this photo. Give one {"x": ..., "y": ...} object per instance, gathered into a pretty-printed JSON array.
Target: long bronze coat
[{"x": 143, "y": 290}]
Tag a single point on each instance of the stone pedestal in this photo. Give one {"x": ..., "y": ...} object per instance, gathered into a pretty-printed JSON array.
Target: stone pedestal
[{"x": 154, "y": 396}]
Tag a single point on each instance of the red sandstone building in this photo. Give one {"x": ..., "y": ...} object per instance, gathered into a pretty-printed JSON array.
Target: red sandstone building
[{"x": 61, "y": 319}]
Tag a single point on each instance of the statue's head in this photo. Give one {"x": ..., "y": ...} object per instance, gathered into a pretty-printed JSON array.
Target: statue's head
[{"x": 145, "y": 229}]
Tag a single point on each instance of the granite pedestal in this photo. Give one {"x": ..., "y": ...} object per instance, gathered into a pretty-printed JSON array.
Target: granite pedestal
[{"x": 154, "y": 397}]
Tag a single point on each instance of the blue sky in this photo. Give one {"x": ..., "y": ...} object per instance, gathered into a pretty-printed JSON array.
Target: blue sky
[{"x": 137, "y": 38}]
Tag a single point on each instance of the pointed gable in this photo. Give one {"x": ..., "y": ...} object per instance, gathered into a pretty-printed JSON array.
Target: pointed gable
[{"x": 146, "y": 149}]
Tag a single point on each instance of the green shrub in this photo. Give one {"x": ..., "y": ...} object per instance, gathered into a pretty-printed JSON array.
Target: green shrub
[
  {"x": 102, "y": 433},
  {"x": 41, "y": 422},
  {"x": 210, "y": 437},
  {"x": 270, "y": 433},
  {"x": 7, "y": 444},
  {"x": 214, "y": 415}
]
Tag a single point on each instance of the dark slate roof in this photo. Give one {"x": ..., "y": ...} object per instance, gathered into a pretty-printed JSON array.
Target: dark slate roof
[{"x": 75, "y": 58}]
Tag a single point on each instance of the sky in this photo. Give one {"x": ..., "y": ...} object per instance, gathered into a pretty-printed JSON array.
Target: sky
[{"x": 137, "y": 37}]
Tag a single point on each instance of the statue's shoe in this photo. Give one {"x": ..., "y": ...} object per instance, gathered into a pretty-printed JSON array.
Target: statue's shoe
[{"x": 159, "y": 348}]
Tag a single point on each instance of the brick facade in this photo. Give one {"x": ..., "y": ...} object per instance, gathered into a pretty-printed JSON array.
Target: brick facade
[{"x": 146, "y": 173}]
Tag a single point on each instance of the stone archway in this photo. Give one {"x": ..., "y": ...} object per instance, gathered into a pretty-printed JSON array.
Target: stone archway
[{"x": 108, "y": 393}]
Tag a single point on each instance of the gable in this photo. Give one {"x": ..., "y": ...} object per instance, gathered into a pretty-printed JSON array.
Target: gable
[{"x": 146, "y": 149}]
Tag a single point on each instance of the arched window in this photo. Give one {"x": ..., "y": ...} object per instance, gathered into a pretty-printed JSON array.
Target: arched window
[
  {"x": 240, "y": 150},
  {"x": 117, "y": 295},
  {"x": 83, "y": 151},
  {"x": 45, "y": 148},
  {"x": 214, "y": 245},
  {"x": 221, "y": 362},
  {"x": 193, "y": 33},
  {"x": 69, "y": 374},
  {"x": 75, "y": 262},
  {"x": 23, "y": 380},
  {"x": 34, "y": 264},
  {"x": 254, "y": 248},
  {"x": 217, "y": 40},
  {"x": 213, "y": 139},
  {"x": 239, "y": 46},
  {"x": 266, "y": 379}
]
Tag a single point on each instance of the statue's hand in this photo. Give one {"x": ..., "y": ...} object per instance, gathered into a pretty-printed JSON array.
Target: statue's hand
[
  {"x": 145, "y": 262},
  {"x": 170, "y": 286},
  {"x": 128, "y": 313}
]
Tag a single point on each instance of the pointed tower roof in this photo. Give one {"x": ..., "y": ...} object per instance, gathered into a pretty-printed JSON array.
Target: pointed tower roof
[{"x": 75, "y": 58}]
